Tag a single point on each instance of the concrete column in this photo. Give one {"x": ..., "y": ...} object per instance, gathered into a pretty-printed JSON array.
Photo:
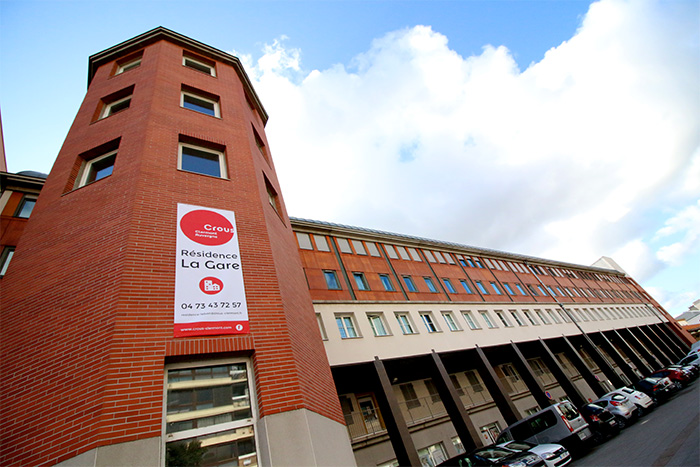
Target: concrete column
[
  {"x": 602, "y": 363},
  {"x": 400, "y": 437},
  {"x": 641, "y": 365},
  {"x": 533, "y": 384},
  {"x": 654, "y": 364},
  {"x": 656, "y": 345},
  {"x": 566, "y": 384},
  {"x": 672, "y": 343},
  {"x": 468, "y": 433},
  {"x": 582, "y": 368},
  {"x": 619, "y": 360},
  {"x": 493, "y": 384}
]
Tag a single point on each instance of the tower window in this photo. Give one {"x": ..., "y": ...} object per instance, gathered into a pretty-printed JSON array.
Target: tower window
[
  {"x": 116, "y": 106},
  {"x": 128, "y": 64},
  {"x": 199, "y": 103},
  {"x": 98, "y": 168},
  {"x": 201, "y": 160},
  {"x": 25, "y": 207},
  {"x": 199, "y": 64}
]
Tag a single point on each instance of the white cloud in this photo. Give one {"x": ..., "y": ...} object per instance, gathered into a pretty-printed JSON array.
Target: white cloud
[
  {"x": 567, "y": 159},
  {"x": 687, "y": 224}
]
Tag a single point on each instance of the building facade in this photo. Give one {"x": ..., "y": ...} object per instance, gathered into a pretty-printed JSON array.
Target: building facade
[{"x": 352, "y": 346}]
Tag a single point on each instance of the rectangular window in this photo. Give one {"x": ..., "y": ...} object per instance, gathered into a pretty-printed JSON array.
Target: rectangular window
[
  {"x": 429, "y": 255},
  {"x": 450, "y": 321},
  {"x": 359, "y": 247},
  {"x": 98, "y": 168},
  {"x": 410, "y": 286},
  {"x": 449, "y": 259},
  {"x": 344, "y": 245},
  {"x": 495, "y": 288},
  {"x": 508, "y": 289},
  {"x": 439, "y": 257},
  {"x": 304, "y": 241},
  {"x": 201, "y": 160},
  {"x": 477, "y": 261},
  {"x": 431, "y": 285},
  {"x": 539, "y": 287},
  {"x": 25, "y": 207},
  {"x": 530, "y": 318},
  {"x": 405, "y": 323},
  {"x": 474, "y": 381},
  {"x": 448, "y": 285},
  {"x": 542, "y": 317},
  {"x": 386, "y": 282},
  {"x": 551, "y": 291},
  {"x": 481, "y": 288},
  {"x": 429, "y": 322},
  {"x": 532, "y": 290},
  {"x": 403, "y": 253},
  {"x": 110, "y": 108},
  {"x": 376, "y": 321},
  {"x": 414, "y": 254},
  {"x": 373, "y": 250},
  {"x": 199, "y": 64},
  {"x": 470, "y": 262},
  {"x": 465, "y": 286},
  {"x": 346, "y": 326},
  {"x": 331, "y": 280},
  {"x": 212, "y": 405},
  {"x": 487, "y": 319},
  {"x": 471, "y": 321},
  {"x": 554, "y": 317},
  {"x": 321, "y": 243},
  {"x": 432, "y": 390},
  {"x": 520, "y": 289},
  {"x": 503, "y": 319},
  {"x": 272, "y": 197},
  {"x": 409, "y": 395},
  {"x": 5, "y": 259},
  {"x": 259, "y": 144},
  {"x": 360, "y": 281},
  {"x": 200, "y": 103},
  {"x": 457, "y": 386},
  {"x": 391, "y": 252},
  {"x": 129, "y": 64},
  {"x": 517, "y": 319}
]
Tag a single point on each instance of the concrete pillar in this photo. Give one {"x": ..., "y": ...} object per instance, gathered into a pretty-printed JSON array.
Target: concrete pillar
[
  {"x": 493, "y": 384},
  {"x": 566, "y": 384},
  {"x": 587, "y": 374},
  {"x": 533, "y": 384}
]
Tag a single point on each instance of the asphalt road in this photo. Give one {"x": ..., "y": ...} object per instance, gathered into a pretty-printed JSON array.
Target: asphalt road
[{"x": 668, "y": 436}]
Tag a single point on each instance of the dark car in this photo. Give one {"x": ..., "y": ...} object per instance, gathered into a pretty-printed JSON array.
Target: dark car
[
  {"x": 601, "y": 421},
  {"x": 494, "y": 456},
  {"x": 677, "y": 376},
  {"x": 658, "y": 388}
]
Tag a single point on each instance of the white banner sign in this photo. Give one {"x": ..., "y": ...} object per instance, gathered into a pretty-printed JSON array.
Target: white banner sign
[{"x": 209, "y": 290}]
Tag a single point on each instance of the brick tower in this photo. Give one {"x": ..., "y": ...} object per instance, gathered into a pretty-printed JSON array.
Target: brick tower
[{"x": 114, "y": 352}]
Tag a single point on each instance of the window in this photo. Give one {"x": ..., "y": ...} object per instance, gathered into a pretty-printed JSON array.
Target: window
[
  {"x": 386, "y": 282},
  {"x": 532, "y": 290},
  {"x": 259, "y": 144},
  {"x": 432, "y": 390},
  {"x": 304, "y": 241},
  {"x": 373, "y": 250},
  {"x": 212, "y": 403},
  {"x": 360, "y": 281},
  {"x": 520, "y": 289},
  {"x": 503, "y": 319},
  {"x": 530, "y": 318},
  {"x": 448, "y": 285},
  {"x": 321, "y": 243},
  {"x": 474, "y": 381},
  {"x": 429, "y": 322},
  {"x": 25, "y": 207},
  {"x": 539, "y": 287},
  {"x": 481, "y": 287},
  {"x": 431, "y": 285},
  {"x": 542, "y": 317},
  {"x": 346, "y": 326},
  {"x": 487, "y": 319},
  {"x": 553, "y": 316},
  {"x": 517, "y": 319},
  {"x": 391, "y": 252},
  {"x": 409, "y": 284},
  {"x": 5, "y": 259},
  {"x": 98, "y": 168},
  {"x": 414, "y": 254},
  {"x": 321, "y": 327},
  {"x": 403, "y": 253},
  {"x": 129, "y": 64},
  {"x": 201, "y": 160},
  {"x": 376, "y": 321},
  {"x": 551, "y": 291},
  {"x": 508, "y": 289},
  {"x": 331, "y": 280},
  {"x": 457, "y": 386},
  {"x": 359, "y": 247},
  {"x": 470, "y": 262},
  {"x": 405, "y": 323},
  {"x": 199, "y": 103},
  {"x": 409, "y": 395},
  {"x": 344, "y": 245},
  {"x": 495, "y": 288},
  {"x": 466, "y": 286},
  {"x": 450, "y": 321},
  {"x": 471, "y": 321},
  {"x": 272, "y": 197},
  {"x": 110, "y": 108},
  {"x": 199, "y": 64}
]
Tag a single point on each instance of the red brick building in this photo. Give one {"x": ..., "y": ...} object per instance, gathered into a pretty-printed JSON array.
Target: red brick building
[{"x": 354, "y": 346}]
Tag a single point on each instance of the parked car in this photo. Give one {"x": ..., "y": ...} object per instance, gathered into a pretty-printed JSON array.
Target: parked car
[
  {"x": 643, "y": 402},
  {"x": 600, "y": 420},
  {"x": 676, "y": 376},
  {"x": 691, "y": 370},
  {"x": 659, "y": 389},
  {"x": 622, "y": 408},
  {"x": 559, "y": 423},
  {"x": 494, "y": 456},
  {"x": 692, "y": 359},
  {"x": 554, "y": 455}
]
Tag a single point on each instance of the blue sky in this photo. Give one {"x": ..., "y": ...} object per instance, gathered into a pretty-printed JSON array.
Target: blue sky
[{"x": 562, "y": 129}]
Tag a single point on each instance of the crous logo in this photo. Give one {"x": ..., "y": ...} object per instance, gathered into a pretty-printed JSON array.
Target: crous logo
[
  {"x": 206, "y": 227},
  {"x": 211, "y": 285}
]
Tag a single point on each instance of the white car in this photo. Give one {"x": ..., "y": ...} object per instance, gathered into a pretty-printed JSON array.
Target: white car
[
  {"x": 643, "y": 402},
  {"x": 554, "y": 455},
  {"x": 620, "y": 406}
]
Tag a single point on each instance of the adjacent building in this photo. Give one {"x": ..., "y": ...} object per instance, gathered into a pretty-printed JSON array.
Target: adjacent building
[{"x": 159, "y": 294}]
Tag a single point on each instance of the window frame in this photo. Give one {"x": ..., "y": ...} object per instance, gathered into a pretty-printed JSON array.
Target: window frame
[
  {"x": 430, "y": 284},
  {"x": 200, "y": 65},
  {"x": 128, "y": 65},
  {"x": 410, "y": 285},
  {"x": 108, "y": 106},
  {"x": 26, "y": 199},
  {"x": 331, "y": 273},
  {"x": 481, "y": 288},
  {"x": 360, "y": 281},
  {"x": 450, "y": 320},
  {"x": 386, "y": 282},
  {"x": 194, "y": 95},
  {"x": 407, "y": 326},
  {"x": 490, "y": 324},
  {"x": 379, "y": 316},
  {"x": 465, "y": 286},
  {"x": 448, "y": 285},
  {"x": 429, "y": 322},
  {"x": 472, "y": 323},
  {"x": 345, "y": 319},
  {"x": 223, "y": 173},
  {"x": 88, "y": 166},
  {"x": 5, "y": 257}
]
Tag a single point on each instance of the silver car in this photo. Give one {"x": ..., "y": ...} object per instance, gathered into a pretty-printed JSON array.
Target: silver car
[
  {"x": 554, "y": 455},
  {"x": 643, "y": 402},
  {"x": 620, "y": 406}
]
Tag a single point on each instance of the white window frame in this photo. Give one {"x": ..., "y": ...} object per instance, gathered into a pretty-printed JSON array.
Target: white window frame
[
  {"x": 542, "y": 316},
  {"x": 429, "y": 320},
  {"x": 186, "y": 58},
  {"x": 518, "y": 320},
  {"x": 503, "y": 318},
  {"x": 450, "y": 320},
  {"x": 88, "y": 167},
  {"x": 128, "y": 65},
  {"x": 374, "y": 317},
  {"x": 407, "y": 326},
  {"x": 5, "y": 258},
  {"x": 222, "y": 159},
  {"x": 471, "y": 320},
  {"x": 345, "y": 318},
  {"x": 194, "y": 95},
  {"x": 488, "y": 320},
  {"x": 107, "y": 108},
  {"x": 321, "y": 327},
  {"x": 216, "y": 428}
]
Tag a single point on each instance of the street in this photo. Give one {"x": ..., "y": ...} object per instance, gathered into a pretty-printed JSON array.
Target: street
[{"x": 668, "y": 436}]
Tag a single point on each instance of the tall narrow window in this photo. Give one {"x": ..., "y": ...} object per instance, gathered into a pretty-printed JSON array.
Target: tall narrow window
[
  {"x": 431, "y": 285},
  {"x": 429, "y": 322},
  {"x": 331, "y": 280},
  {"x": 471, "y": 321},
  {"x": 386, "y": 282},
  {"x": 487, "y": 319},
  {"x": 520, "y": 289},
  {"x": 5, "y": 259},
  {"x": 466, "y": 286},
  {"x": 450, "y": 321},
  {"x": 360, "y": 281},
  {"x": 503, "y": 319},
  {"x": 212, "y": 404},
  {"x": 517, "y": 319},
  {"x": 508, "y": 289},
  {"x": 346, "y": 326},
  {"x": 201, "y": 160},
  {"x": 481, "y": 287},
  {"x": 495, "y": 288},
  {"x": 542, "y": 317},
  {"x": 409, "y": 395},
  {"x": 25, "y": 207},
  {"x": 321, "y": 327},
  {"x": 272, "y": 197},
  {"x": 410, "y": 286},
  {"x": 448, "y": 285},
  {"x": 376, "y": 321},
  {"x": 405, "y": 323}
]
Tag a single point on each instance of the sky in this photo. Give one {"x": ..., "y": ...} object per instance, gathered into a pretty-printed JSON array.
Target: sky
[{"x": 566, "y": 130}]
